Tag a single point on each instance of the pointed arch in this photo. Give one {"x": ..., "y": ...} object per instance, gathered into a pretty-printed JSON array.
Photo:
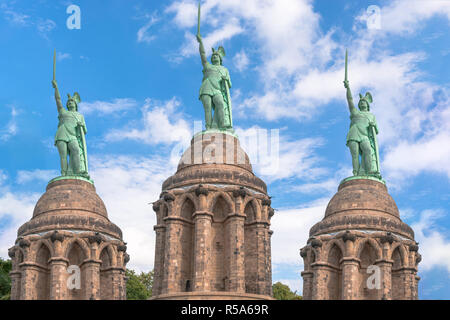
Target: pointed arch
[
  {"x": 372, "y": 243},
  {"x": 187, "y": 208},
  {"x": 182, "y": 199},
  {"x": 251, "y": 211},
  {"x": 109, "y": 250},
  {"x": 256, "y": 206},
  {"x": 84, "y": 248},
  {"x": 36, "y": 246},
  {"x": 401, "y": 251},
  {"x": 221, "y": 205},
  {"x": 334, "y": 242}
]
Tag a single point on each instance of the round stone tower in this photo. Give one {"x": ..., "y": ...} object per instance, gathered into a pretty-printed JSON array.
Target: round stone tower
[
  {"x": 212, "y": 232},
  {"x": 361, "y": 249},
  {"x": 69, "y": 250}
]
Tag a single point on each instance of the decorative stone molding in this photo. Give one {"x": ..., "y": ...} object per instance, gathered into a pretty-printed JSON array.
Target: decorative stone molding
[
  {"x": 201, "y": 190},
  {"x": 349, "y": 236},
  {"x": 56, "y": 236},
  {"x": 241, "y": 192}
]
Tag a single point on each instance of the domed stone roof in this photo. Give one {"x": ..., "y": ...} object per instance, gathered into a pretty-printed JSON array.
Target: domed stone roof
[
  {"x": 70, "y": 204},
  {"x": 362, "y": 204},
  {"x": 215, "y": 158}
]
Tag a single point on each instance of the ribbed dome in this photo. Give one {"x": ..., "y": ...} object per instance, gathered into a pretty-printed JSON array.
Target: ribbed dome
[
  {"x": 70, "y": 204},
  {"x": 362, "y": 195},
  {"x": 70, "y": 194},
  {"x": 217, "y": 148},
  {"x": 362, "y": 204},
  {"x": 215, "y": 158}
]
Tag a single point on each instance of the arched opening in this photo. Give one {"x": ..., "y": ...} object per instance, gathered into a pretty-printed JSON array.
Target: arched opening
[
  {"x": 397, "y": 281},
  {"x": 76, "y": 258},
  {"x": 106, "y": 278},
  {"x": 187, "y": 245},
  {"x": 219, "y": 249},
  {"x": 43, "y": 274},
  {"x": 368, "y": 289},
  {"x": 251, "y": 255},
  {"x": 335, "y": 273}
]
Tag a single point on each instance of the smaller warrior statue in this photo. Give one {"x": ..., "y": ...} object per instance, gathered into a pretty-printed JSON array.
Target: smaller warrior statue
[
  {"x": 362, "y": 135},
  {"x": 70, "y": 136},
  {"x": 215, "y": 88}
]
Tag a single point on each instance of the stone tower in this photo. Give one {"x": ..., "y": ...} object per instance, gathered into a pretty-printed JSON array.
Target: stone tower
[
  {"x": 212, "y": 231},
  {"x": 361, "y": 249},
  {"x": 69, "y": 232}
]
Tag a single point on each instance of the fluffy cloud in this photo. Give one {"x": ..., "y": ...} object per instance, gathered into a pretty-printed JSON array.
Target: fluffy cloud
[
  {"x": 160, "y": 124},
  {"x": 434, "y": 244},
  {"x": 10, "y": 129},
  {"x": 241, "y": 61},
  {"x": 143, "y": 34},
  {"x": 26, "y": 176},
  {"x": 104, "y": 107}
]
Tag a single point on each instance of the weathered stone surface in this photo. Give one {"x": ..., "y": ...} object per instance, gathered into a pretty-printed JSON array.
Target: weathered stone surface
[
  {"x": 361, "y": 229},
  {"x": 213, "y": 238},
  {"x": 69, "y": 227}
]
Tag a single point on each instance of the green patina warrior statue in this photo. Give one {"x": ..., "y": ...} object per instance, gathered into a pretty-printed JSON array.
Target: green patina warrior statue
[
  {"x": 362, "y": 135},
  {"x": 215, "y": 88},
  {"x": 70, "y": 136}
]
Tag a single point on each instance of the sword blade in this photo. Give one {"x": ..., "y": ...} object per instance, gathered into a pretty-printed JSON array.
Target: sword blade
[
  {"x": 346, "y": 64},
  {"x": 198, "y": 22},
  {"x": 54, "y": 64}
]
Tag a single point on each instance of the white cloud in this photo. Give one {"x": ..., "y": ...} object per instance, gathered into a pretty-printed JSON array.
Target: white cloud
[
  {"x": 143, "y": 34},
  {"x": 405, "y": 17},
  {"x": 60, "y": 56},
  {"x": 434, "y": 245},
  {"x": 10, "y": 128},
  {"x": 127, "y": 185},
  {"x": 104, "y": 107},
  {"x": 161, "y": 123},
  {"x": 26, "y": 176},
  {"x": 241, "y": 61}
]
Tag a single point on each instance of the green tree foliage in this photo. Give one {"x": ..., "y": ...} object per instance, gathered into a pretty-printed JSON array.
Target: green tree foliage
[
  {"x": 139, "y": 287},
  {"x": 283, "y": 292},
  {"x": 5, "y": 280}
]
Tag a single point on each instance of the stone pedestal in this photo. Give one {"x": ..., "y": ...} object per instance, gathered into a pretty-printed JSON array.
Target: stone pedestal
[
  {"x": 220, "y": 247},
  {"x": 366, "y": 245},
  {"x": 69, "y": 229}
]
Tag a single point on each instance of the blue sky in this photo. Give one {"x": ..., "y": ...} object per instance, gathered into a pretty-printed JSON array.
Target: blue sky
[{"x": 137, "y": 69}]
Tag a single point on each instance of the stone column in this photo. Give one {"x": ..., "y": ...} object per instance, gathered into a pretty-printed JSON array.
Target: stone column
[
  {"x": 202, "y": 235},
  {"x": 28, "y": 282},
  {"x": 159, "y": 258},
  {"x": 350, "y": 277},
  {"x": 235, "y": 227},
  {"x": 118, "y": 283},
  {"x": 269, "y": 262},
  {"x": 58, "y": 278},
  {"x": 261, "y": 249},
  {"x": 92, "y": 279},
  {"x": 15, "y": 276},
  {"x": 386, "y": 279},
  {"x": 319, "y": 281},
  {"x": 307, "y": 284},
  {"x": 172, "y": 256}
]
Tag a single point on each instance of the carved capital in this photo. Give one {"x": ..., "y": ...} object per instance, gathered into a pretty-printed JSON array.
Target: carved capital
[
  {"x": 387, "y": 238},
  {"x": 414, "y": 247},
  {"x": 266, "y": 202},
  {"x": 156, "y": 206},
  {"x": 24, "y": 243},
  {"x": 316, "y": 243},
  {"x": 201, "y": 190},
  {"x": 168, "y": 197},
  {"x": 303, "y": 252},
  {"x": 11, "y": 253},
  {"x": 95, "y": 238},
  {"x": 122, "y": 248},
  {"x": 126, "y": 258},
  {"x": 271, "y": 212},
  {"x": 348, "y": 236},
  {"x": 56, "y": 236},
  {"x": 241, "y": 192}
]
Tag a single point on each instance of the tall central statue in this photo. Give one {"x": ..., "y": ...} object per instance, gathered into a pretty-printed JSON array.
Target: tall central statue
[
  {"x": 362, "y": 135},
  {"x": 215, "y": 89},
  {"x": 70, "y": 136}
]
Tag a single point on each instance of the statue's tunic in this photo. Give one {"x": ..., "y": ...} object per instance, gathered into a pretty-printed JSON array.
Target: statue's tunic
[
  {"x": 67, "y": 126},
  {"x": 212, "y": 77},
  {"x": 359, "y": 125}
]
